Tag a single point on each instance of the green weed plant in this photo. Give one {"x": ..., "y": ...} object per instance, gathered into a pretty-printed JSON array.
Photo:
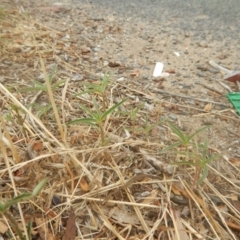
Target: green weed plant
[
  {"x": 39, "y": 86},
  {"x": 96, "y": 117},
  {"x": 197, "y": 154},
  {"x": 99, "y": 89}
]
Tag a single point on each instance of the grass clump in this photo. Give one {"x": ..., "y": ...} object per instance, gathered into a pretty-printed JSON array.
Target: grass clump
[
  {"x": 97, "y": 117},
  {"x": 191, "y": 152},
  {"x": 101, "y": 111},
  {"x": 99, "y": 89}
]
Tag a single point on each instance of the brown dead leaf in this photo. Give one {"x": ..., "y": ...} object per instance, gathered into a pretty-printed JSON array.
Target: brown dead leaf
[
  {"x": 85, "y": 50},
  {"x": 235, "y": 198},
  {"x": 236, "y": 204},
  {"x": 37, "y": 146},
  {"x": 135, "y": 73},
  {"x": 171, "y": 71},
  {"x": 176, "y": 190},
  {"x": 70, "y": 231},
  {"x": 233, "y": 226},
  {"x": 43, "y": 230},
  {"x": 150, "y": 198},
  {"x": 235, "y": 161},
  {"x": 84, "y": 185},
  {"x": 50, "y": 213},
  {"x": 180, "y": 228},
  {"x": 3, "y": 227},
  {"x": 208, "y": 107},
  {"x": 114, "y": 64},
  {"x": 122, "y": 216},
  {"x": 164, "y": 228},
  {"x": 157, "y": 163}
]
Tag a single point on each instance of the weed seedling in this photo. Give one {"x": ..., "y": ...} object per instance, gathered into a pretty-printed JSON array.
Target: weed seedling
[
  {"x": 38, "y": 86},
  {"x": 185, "y": 141},
  {"x": 97, "y": 117},
  {"x": 194, "y": 154},
  {"x": 133, "y": 113},
  {"x": 18, "y": 114},
  {"x": 42, "y": 110},
  {"x": 98, "y": 89},
  {"x": 201, "y": 161}
]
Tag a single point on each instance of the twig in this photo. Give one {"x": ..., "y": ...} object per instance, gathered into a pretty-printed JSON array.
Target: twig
[
  {"x": 222, "y": 69},
  {"x": 210, "y": 88},
  {"x": 197, "y": 99},
  {"x": 225, "y": 86},
  {"x": 217, "y": 114},
  {"x": 181, "y": 105}
]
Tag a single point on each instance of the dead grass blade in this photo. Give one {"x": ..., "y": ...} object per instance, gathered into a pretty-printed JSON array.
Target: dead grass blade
[
  {"x": 107, "y": 223},
  {"x": 47, "y": 134},
  {"x": 131, "y": 199},
  {"x": 8, "y": 167},
  {"x": 9, "y": 140},
  {"x": 43, "y": 229},
  {"x": 50, "y": 94},
  {"x": 203, "y": 208}
]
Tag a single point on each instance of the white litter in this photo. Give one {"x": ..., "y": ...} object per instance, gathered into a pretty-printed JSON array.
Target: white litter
[
  {"x": 121, "y": 79},
  {"x": 158, "y": 69},
  {"x": 177, "y": 54},
  {"x": 165, "y": 75}
]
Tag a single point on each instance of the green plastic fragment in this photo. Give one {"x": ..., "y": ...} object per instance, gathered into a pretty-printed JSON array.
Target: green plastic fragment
[{"x": 234, "y": 98}]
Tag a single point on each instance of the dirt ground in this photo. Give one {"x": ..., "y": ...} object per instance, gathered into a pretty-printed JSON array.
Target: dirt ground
[
  {"x": 86, "y": 41},
  {"x": 124, "y": 46}
]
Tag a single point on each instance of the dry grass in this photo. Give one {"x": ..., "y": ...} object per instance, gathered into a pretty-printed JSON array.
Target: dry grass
[{"x": 120, "y": 189}]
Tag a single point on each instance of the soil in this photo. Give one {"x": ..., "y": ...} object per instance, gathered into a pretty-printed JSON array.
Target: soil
[
  {"x": 87, "y": 39},
  {"x": 122, "y": 42}
]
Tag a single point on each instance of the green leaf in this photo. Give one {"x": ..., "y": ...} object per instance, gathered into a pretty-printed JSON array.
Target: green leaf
[
  {"x": 52, "y": 73},
  {"x": 204, "y": 175},
  {"x": 2, "y": 208},
  {"x": 99, "y": 113},
  {"x": 110, "y": 110},
  {"x": 96, "y": 88},
  {"x": 178, "y": 132},
  {"x": 29, "y": 229},
  {"x": 183, "y": 163},
  {"x": 198, "y": 131},
  {"x": 89, "y": 121},
  {"x": 39, "y": 187},
  {"x": 15, "y": 200},
  {"x": 90, "y": 112},
  {"x": 57, "y": 84},
  {"x": 174, "y": 145}
]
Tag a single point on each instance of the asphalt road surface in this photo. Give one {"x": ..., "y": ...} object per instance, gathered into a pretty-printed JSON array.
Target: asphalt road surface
[{"x": 219, "y": 18}]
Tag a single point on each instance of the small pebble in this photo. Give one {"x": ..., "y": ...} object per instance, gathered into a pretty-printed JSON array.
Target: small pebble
[
  {"x": 201, "y": 74},
  {"x": 203, "y": 44},
  {"x": 213, "y": 70},
  {"x": 172, "y": 116},
  {"x": 77, "y": 77},
  {"x": 56, "y": 201}
]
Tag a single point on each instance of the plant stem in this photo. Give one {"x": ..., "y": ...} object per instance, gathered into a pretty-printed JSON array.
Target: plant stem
[
  {"x": 102, "y": 134},
  {"x": 14, "y": 225}
]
